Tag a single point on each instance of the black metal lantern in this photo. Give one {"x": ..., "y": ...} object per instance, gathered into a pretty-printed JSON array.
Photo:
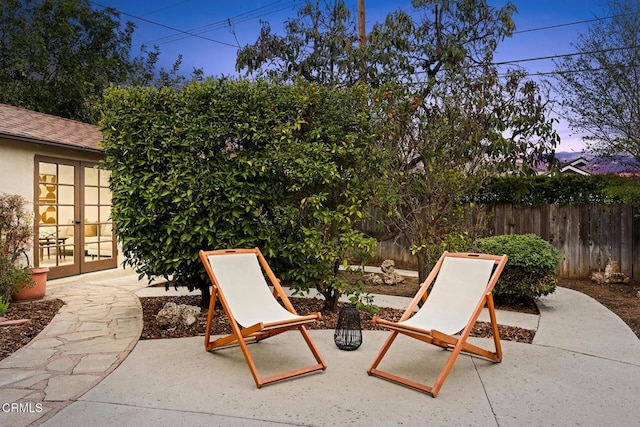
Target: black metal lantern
[{"x": 348, "y": 334}]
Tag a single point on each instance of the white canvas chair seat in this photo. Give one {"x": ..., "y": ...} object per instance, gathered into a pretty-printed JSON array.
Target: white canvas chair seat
[
  {"x": 238, "y": 281},
  {"x": 462, "y": 288}
]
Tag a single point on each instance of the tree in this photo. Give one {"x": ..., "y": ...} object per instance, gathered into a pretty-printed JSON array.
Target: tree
[
  {"x": 453, "y": 122},
  {"x": 58, "y": 56},
  {"x": 450, "y": 120},
  {"x": 319, "y": 46},
  {"x": 239, "y": 164},
  {"x": 601, "y": 84}
]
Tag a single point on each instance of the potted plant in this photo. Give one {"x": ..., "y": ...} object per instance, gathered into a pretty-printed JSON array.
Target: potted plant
[{"x": 18, "y": 280}]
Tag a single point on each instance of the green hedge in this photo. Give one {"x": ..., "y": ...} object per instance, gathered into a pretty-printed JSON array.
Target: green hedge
[
  {"x": 241, "y": 164},
  {"x": 530, "y": 271},
  {"x": 559, "y": 189}
]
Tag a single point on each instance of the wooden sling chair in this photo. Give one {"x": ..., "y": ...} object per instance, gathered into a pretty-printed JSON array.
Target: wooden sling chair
[
  {"x": 253, "y": 310},
  {"x": 462, "y": 288}
]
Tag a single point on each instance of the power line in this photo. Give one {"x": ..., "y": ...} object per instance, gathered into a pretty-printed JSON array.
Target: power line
[
  {"x": 565, "y": 55},
  {"x": 558, "y": 56},
  {"x": 259, "y": 12},
  {"x": 568, "y": 24},
  {"x": 162, "y": 25},
  {"x": 275, "y": 7}
]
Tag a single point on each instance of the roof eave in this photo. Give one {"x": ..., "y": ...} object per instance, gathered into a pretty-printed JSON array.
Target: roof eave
[{"x": 50, "y": 143}]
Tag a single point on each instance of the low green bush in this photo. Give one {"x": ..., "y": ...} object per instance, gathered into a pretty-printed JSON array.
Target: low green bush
[
  {"x": 4, "y": 306},
  {"x": 531, "y": 269}
]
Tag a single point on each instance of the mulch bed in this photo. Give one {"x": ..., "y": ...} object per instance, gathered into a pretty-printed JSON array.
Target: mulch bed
[
  {"x": 152, "y": 330},
  {"x": 623, "y": 300},
  {"x": 39, "y": 314}
]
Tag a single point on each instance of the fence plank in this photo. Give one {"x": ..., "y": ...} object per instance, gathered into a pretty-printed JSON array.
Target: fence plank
[
  {"x": 589, "y": 236},
  {"x": 626, "y": 248},
  {"x": 635, "y": 239},
  {"x": 584, "y": 241}
]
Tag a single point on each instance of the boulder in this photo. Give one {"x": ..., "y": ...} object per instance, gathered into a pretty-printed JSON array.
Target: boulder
[
  {"x": 388, "y": 266},
  {"x": 375, "y": 279},
  {"x": 173, "y": 314},
  {"x": 389, "y": 275},
  {"x": 611, "y": 274}
]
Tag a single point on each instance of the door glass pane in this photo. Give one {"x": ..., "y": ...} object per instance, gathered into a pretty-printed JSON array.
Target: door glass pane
[
  {"x": 104, "y": 178},
  {"x": 49, "y": 169},
  {"x": 66, "y": 240},
  {"x": 91, "y": 195},
  {"x": 47, "y": 214},
  {"x": 91, "y": 214},
  {"x": 56, "y": 199},
  {"x": 66, "y": 174},
  {"x": 66, "y": 193},
  {"x": 105, "y": 213},
  {"x": 65, "y": 215},
  {"x": 105, "y": 195},
  {"x": 98, "y": 229},
  {"x": 91, "y": 176}
]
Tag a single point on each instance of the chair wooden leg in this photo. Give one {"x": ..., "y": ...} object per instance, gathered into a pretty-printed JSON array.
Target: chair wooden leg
[
  {"x": 210, "y": 314},
  {"x": 313, "y": 348},
  {"x": 494, "y": 328},
  {"x": 382, "y": 352},
  {"x": 242, "y": 342},
  {"x": 455, "y": 345},
  {"x": 251, "y": 363}
]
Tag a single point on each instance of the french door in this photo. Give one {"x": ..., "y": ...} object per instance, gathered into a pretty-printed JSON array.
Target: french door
[{"x": 74, "y": 232}]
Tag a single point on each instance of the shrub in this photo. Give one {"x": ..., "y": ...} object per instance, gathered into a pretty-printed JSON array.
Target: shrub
[
  {"x": 241, "y": 164},
  {"x": 16, "y": 231},
  {"x": 4, "y": 306},
  {"x": 530, "y": 271}
]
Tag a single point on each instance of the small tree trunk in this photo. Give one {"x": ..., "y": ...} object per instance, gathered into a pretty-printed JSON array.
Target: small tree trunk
[
  {"x": 423, "y": 267},
  {"x": 330, "y": 300},
  {"x": 205, "y": 298}
]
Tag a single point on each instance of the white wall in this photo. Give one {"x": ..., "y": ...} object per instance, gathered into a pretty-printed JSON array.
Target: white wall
[
  {"x": 17, "y": 163},
  {"x": 16, "y": 169}
]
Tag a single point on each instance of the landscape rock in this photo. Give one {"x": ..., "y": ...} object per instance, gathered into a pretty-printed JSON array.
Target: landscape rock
[
  {"x": 611, "y": 274},
  {"x": 388, "y": 266},
  {"x": 375, "y": 279},
  {"x": 389, "y": 275},
  {"x": 173, "y": 314}
]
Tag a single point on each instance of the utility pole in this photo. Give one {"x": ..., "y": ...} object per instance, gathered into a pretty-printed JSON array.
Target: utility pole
[
  {"x": 362, "y": 34},
  {"x": 362, "y": 38}
]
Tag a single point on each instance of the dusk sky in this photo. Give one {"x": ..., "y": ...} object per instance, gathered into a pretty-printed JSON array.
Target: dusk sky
[{"x": 544, "y": 28}]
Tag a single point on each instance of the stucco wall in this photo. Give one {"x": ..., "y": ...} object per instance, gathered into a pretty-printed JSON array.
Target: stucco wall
[
  {"x": 17, "y": 163},
  {"x": 16, "y": 169}
]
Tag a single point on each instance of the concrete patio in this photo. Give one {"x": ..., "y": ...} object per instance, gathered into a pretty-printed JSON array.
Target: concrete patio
[{"x": 88, "y": 368}]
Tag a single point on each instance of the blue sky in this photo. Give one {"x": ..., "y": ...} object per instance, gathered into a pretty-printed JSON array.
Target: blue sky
[{"x": 230, "y": 24}]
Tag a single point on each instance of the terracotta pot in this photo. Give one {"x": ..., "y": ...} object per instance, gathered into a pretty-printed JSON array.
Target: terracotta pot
[{"x": 39, "y": 277}]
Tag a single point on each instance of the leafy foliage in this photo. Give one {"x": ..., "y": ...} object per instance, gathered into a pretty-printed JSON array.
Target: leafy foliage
[
  {"x": 4, "y": 305},
  {"x": 239, "y": 164},
  {"x": 530, "y": 271},
  {"x": 600, "y": 85},
  {"x": 451, "y": 121},
  {"x": 58, "y": 56},
  {"x": 559, "y": 189},
  {"x": 319, "y": 46},
  {"x": 16, "y": 232}
]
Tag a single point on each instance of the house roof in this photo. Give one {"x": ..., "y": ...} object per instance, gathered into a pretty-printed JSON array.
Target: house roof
[
  {"x": 590, "y": 164},
  {"x": 578, "y": 166},
  {"x": 30, "y": 126}
]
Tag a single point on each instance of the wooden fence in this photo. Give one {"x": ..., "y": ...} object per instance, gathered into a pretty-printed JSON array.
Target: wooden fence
[{"x": 588, "y": 236}]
